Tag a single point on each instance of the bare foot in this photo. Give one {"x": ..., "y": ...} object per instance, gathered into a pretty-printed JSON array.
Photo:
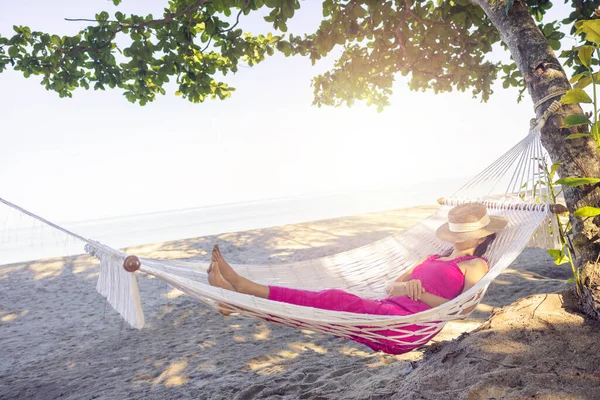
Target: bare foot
[
  {"x": 225, "y": 269},
  {"x": 222, "y": 282},
  {"x": 239, "y": 283},
  {"x": 215, "y": 279}
]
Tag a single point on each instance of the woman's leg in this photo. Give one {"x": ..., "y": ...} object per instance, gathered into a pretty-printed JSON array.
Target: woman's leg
[{"x": 330, "y": 299}]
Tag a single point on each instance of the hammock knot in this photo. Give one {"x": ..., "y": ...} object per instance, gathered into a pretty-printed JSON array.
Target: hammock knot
[
  {"x": 550, "y": 96},
  {"x": 537, "y": 125},
  {"x": 99, "y": 250}
]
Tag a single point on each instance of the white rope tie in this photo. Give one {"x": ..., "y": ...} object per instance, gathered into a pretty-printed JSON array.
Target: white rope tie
[{"x": 552, "y": 95}]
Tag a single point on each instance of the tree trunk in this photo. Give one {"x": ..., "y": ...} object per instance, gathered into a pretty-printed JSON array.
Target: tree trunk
[{"x": 543, "y": 75}]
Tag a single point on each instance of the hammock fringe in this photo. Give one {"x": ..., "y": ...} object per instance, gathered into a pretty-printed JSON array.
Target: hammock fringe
[{"x": 119, "y": 287}]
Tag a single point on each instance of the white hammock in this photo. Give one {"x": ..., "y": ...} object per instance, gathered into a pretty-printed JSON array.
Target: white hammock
[{"x": 364, "y": 271}]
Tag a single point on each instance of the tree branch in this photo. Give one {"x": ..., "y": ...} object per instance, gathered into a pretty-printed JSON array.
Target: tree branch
[
  {"x": 237, "y": 21},
  {"x": 162, "y": 21},
  {"x": 408, "y": 5},
  {"x": 85, "y": 20}
]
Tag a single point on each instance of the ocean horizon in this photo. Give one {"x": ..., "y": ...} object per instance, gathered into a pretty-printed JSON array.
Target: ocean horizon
[{"x": 32, "y": 240}]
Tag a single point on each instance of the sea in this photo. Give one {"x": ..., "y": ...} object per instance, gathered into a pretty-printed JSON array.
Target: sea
[{"x": 32, "y": 240}]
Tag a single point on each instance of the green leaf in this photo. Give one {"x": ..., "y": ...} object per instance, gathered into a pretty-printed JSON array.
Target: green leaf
[
  {"x": 555, "y": 44},
  {"x": 553, "y": 169},
  {"x": 578, "y": 135},
  {"x": 574, "y": 181},
  {"x": 577, "y": 77},
  {"x": 575, "y": 120},
  {"x": 587, "y": 212},
  {"x": 358, "y": 12},
  {"x": 562, "y": 260},
  {"x": 288, "y": 11},
  {"x": 539, "y": 16},
  {"x": 13, "y": 51},
  {"x": 582, "y": 83},
  {"x": 595, "y": 130},
  {"x": 591, "y": 29},
  {"x": 209, "y": 26},
  {"x": 575, "y": 96},
  {"x": 584, "y": 79},
  {"x": 559, "y": 256},
  {"x": 103, "y": 16},
  {"x": 585, "y": 55}
]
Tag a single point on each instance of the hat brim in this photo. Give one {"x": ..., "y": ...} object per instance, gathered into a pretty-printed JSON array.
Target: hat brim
[{"x": 495, "y": 225}]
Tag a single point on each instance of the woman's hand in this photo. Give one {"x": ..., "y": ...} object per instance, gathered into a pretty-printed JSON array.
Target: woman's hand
[
  {"x": 414, "y": 289},
  {"x": 396, "y": 289}
]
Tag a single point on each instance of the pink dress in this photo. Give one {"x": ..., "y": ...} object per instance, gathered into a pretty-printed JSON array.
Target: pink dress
[{"x": 442, "y": 278}]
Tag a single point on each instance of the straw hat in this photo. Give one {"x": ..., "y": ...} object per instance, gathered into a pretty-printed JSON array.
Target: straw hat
[{"x": 468, "y": 222}]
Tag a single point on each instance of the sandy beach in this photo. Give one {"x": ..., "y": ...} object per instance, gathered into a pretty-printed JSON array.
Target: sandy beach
[{"x": 60, "y": 339}]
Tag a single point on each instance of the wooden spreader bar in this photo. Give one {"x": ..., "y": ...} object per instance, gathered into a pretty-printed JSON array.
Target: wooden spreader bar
[{"x": 554, "y": 208}]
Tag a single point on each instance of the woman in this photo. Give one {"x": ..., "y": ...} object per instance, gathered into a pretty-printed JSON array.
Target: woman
[{"x": 433, "y": 281}]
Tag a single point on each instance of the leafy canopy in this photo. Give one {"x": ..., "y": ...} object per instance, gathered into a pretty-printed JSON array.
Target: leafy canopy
[{"x": 441, "y": 44}]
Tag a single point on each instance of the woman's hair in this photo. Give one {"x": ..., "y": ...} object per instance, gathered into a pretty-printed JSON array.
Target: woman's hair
[{"x": 482, "y": 248}]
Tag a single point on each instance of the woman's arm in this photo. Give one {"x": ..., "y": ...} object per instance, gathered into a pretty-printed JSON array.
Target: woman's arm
[
  {"x": 432, "y": 300},
  {"x": 476, "y": 269},
  {"x": 397, "y": 287},
  {"x": 406, "y": 276},
  {"x": 415, "y": 291}
]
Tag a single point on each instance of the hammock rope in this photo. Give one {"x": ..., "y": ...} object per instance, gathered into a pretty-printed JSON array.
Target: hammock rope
[
  {"x": 365, "y": 271},
  {"x": 550, "y": 96}
]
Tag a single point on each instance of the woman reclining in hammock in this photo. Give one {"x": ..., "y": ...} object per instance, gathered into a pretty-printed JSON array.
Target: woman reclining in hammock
[{"x": 433, "y": 281}]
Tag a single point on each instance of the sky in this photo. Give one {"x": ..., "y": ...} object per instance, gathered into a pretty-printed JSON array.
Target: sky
[{"x": 96, "y": 155}]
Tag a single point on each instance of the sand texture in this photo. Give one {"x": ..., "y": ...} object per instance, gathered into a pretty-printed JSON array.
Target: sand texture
[{"x": 59, "y": 339}]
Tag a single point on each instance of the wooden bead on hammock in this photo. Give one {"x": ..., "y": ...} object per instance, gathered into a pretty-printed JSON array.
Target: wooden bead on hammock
[
  {"x": 558, "y": 209},
  {"x": 132, "y": 263}
]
